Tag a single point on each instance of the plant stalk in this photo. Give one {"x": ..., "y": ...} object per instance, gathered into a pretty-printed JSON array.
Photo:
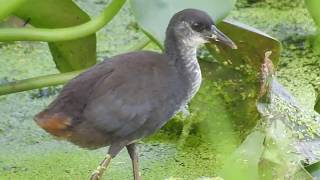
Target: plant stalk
[
  {"x": 52, "y": 80},
  {"x": 62, "y": 34},
  {"x": 37, "y": 82}
]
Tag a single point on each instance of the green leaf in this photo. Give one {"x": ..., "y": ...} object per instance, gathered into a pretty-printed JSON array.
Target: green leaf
[
  {"x": 235, "y": 75},
  {"x": 244, "y": 162},
  {"x": 314, "y": 9},
  {"x": 7, "y": 7},
  {"x": 238, "y": 71},
  {"x": 69, "y": 55},
  {"x": 314, "y": 170},
  {"x": 225, "y": 106},
  {"x": 154, "y": 16},
  {"x": 252, "y": 45}
]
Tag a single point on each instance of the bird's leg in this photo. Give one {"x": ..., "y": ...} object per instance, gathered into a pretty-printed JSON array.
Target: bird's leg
[
  {"x": 113, "y": 151},
  {"x": 96, "y": 175},
  {"x": 132, "y": 150}
]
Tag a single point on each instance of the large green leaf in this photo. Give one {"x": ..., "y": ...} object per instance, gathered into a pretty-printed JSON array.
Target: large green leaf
[
  {"x": 154, "y": 16},
  {"x": 238, "y": 74},
  {"x": 244, "y": 76},
  {"x": 7, "y": 7},
  {"x": 226, "y": 102},
  {"x": 314, "y": 7},
  {"x": 69, "y": 55}
]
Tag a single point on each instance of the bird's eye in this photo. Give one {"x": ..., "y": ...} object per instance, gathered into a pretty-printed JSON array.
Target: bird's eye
[{"x": 197, "y": 27}]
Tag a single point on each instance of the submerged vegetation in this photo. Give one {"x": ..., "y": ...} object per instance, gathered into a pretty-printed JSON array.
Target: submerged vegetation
[{"x": 193, "y": 146}]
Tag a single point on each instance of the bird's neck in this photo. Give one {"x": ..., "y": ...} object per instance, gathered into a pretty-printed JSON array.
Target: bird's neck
[{"x": 182, "y": 54}]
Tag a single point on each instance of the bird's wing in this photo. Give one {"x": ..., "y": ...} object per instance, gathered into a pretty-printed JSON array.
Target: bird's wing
[
  {"x": 65, "y": 111},
  {"x": 123, "y": 101},
  {"x": 74, "y": 95}
]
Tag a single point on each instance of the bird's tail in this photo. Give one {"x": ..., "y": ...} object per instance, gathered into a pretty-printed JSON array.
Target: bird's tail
[{"x": 56, "y": 124}]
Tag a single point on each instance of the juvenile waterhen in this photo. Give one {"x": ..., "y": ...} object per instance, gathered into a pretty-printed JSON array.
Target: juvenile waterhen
[{"x": 132, "y": 95}]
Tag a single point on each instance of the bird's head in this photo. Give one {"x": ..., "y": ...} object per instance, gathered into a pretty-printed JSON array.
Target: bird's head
[{"x": 195, "y": 27}]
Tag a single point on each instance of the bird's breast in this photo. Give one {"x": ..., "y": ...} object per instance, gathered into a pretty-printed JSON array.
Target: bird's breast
[
  {"x": 192, "y": 77},
  {"x": 195, "y": 80}
]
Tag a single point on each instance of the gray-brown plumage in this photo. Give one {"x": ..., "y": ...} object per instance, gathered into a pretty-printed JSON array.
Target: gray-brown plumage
[{"x": 132, "y": 95}]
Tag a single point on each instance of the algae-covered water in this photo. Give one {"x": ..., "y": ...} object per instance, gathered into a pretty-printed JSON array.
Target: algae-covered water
[{"x": 186, "y": 148}]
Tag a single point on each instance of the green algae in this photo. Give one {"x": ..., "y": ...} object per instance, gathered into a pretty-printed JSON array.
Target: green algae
[{"x": 186, "y": 147}]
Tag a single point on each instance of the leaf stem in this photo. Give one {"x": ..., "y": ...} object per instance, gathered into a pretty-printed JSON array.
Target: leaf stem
[
  {"x": 37, "y": 82},
  {"x": 54, "y": 79},
  {"x": 62, "y": 34}
]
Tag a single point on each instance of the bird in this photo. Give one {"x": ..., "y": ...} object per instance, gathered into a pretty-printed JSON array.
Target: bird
[{"x": 130, "y": 96}]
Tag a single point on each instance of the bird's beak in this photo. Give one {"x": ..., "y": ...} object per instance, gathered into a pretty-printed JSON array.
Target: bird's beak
[{"x": 217, "y": 36}]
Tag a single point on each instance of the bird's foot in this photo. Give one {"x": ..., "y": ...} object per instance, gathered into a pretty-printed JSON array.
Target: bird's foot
[{"x": 97, "y": 174}]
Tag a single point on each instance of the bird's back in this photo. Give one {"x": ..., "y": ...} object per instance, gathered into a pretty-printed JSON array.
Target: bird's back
[{"x": 121, "y": 99}]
